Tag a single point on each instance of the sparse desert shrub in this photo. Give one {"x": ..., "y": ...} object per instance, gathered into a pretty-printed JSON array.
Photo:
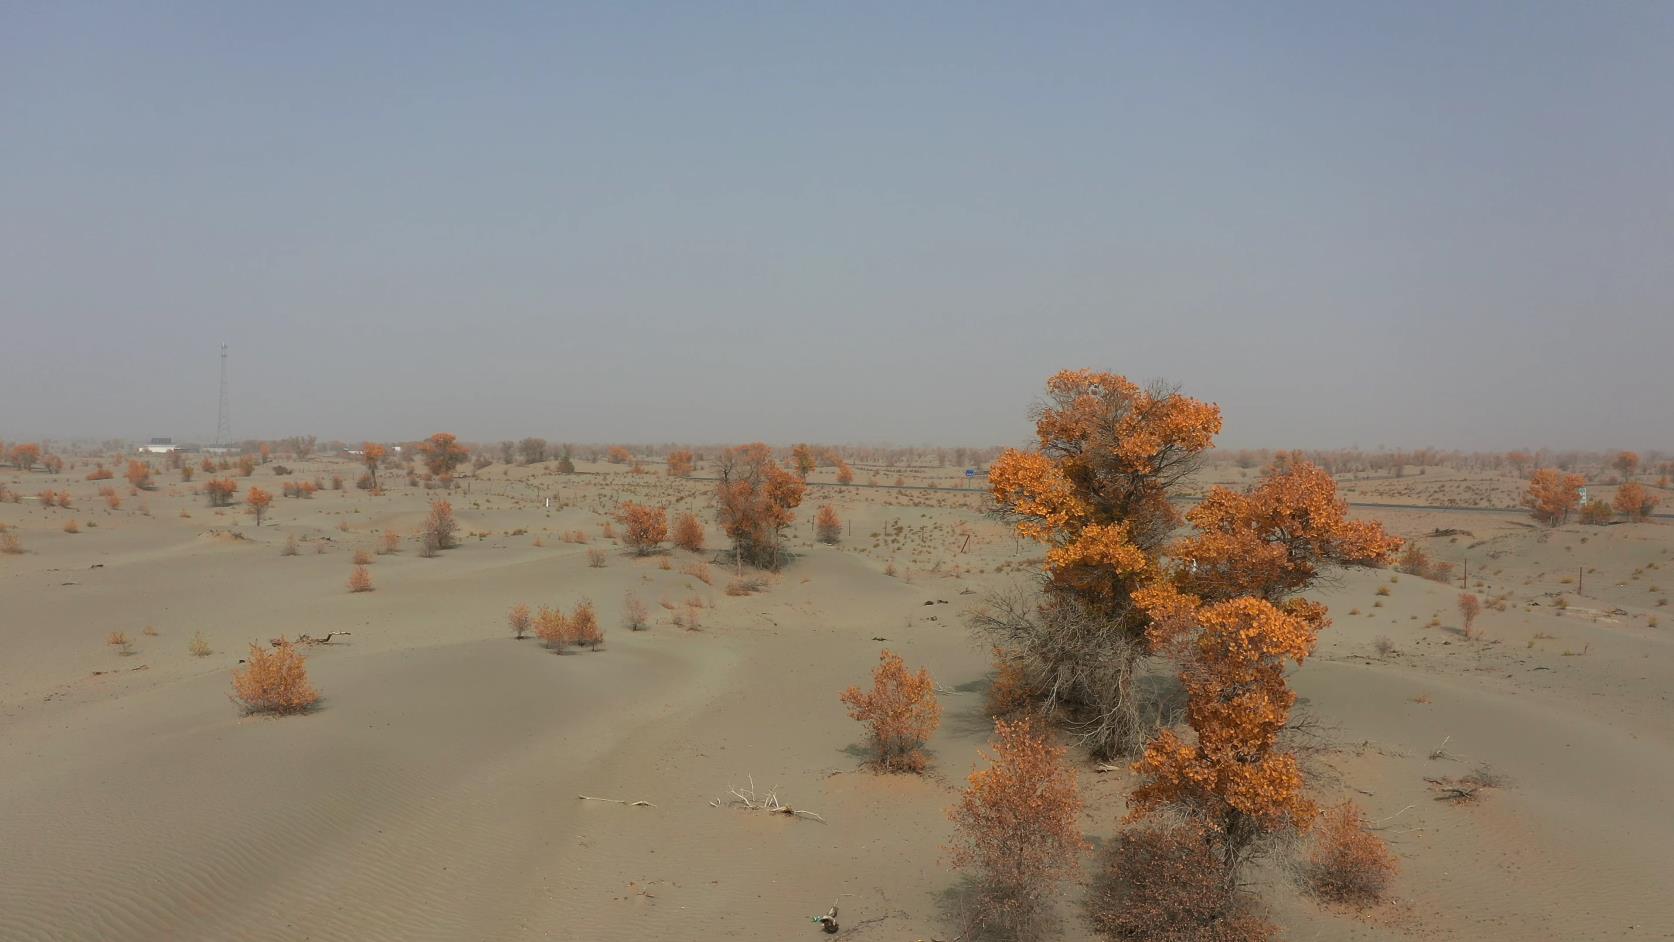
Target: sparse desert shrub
[
  {"x": 1348, "y": 863},
  {"x": 635, "y": 614},
  {"x": 1163, "y": 883},
  {"x": 439, "y": 526},
  {"x": 606, "y": 531},
  {"x": 1384, "y": 646},
  {"x": 199, "y": 647},
  {"x": 10, "y": 544},
  {"x": 584, "y": 625},
  {"x": 259, "y": 500},
  {"x": 644, "y": 527},
  {"x": 274, "y": 681},
  {"x": 845, "y": 474},
  {"x": 186, "y": 473},
  {"x": 139, "y": 475},
  {"x": 519, "y": 620},
  {"x": 246, "y": 466},
  {"x": 688, "y": 533},
  {"x": 113, "y": 500},
  {"x": 100, "y": 473},
  {"x": 363, "y": 557},
  {"x": 1017, "y": 826},
  {"x": 1596, "y": 513},
  {"x": 120, "y": 640},
  {"x": 1415, "y": 561},
  {"x": 699, "y": 571},
  {"x": 70, "y": 526},
  {"x": 827, "y": 527},
  {"x": 360, "y": 580},
  {"x": 596, "y": 558},
  {"x": 290, "y": 546},
  {"x": 220, "y": 491},
  {"x": 747, "y": 585},
  {"x": 618, "y": 455},
  {"x": 553, "y": 628},
  {"x": 1010, "y": 692},
  {"x": 1469, "y": 607},
  {"x": 900, "y": 712}
]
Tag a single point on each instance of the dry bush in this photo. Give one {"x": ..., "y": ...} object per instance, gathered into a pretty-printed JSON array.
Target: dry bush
[
  {"x": 360, "y": 580},
  {"x": 10, "y": 545},
  {"x": 1552, "y": 495},
  {"x": 391, "y": 543},
  {"x": 552, "y": 628},
  {"x": 644, "y": 527},
  {"x": 1017, "y": 825},
  {"x": 1415, "y": 561},
  {"x": 688, "y": 533},
  {"x": 691, "y": 618},
  {"x": 439, "y": 526},
  {"x": 681, "y": 464},
  {"x": 139, "y": 475},
  {"x": 274, "y": 681},
  {"x": 198, "y": 647},
  {"x": 119, "y": 639},
  {"x": 186, "y": 474},
  {"x": 100, "y": 473},
  {"x": 754, "y": 499},
  {"x": 363, "y": 557},
  {"x": 900, "y": 712},
  {"x": 1010, "y": 692},
  {"x": 1634, "y": 502},
  {"x": 827, "y": 527},
  {"x": 1469, "y": 607},
  {"x": 596, "y": 558},
  {"x": 635, "y": 614},
  {"x": 584, "y": 625},
  {"x": 113, "y": 500},
  {"x": 606, "y": 531},
  {"x": 1596, "y": 513},
  {"x": 290, "y": 546},
  {"x": 699, "y": 571},
  {"x": 1348, "y": 863},
  {"x": 70, "y": 526},
  {"x": 518, "y": 618},
  {"x": 1164, "y": 882},
  {"x": 747, "y": 585},
  {"x": 220, "y": 491}
]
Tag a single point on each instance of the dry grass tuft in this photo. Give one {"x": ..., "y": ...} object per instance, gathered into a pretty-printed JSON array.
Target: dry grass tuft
[{"x": 274, "y": 681}]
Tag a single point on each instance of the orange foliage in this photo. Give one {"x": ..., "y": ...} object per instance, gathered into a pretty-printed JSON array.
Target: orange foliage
[
  {"x": 1634, "y": 502},
  {"x": 26, "y": 455},
  {"x": 1469, "y": 607},
  {"x": 827, "y": 528},
  {"x": 259, "y": 500},
  {"x": 518, "y": 618},
  {"x": 1238, "y": 703},
  {"x": 439, "y": 525},
  {"x": 803, "y": 458},
  {"x": 900, "y": 711},
  {"x": 635, "y": 614},
  {"x": 246, "y": 466},
  {"x": 755, "y": 498},
  {"x": 1348, "y": 863},
  {"x": 220, "y": 491},
  {"x": 688, "y": 533},
  {"x": 681, "y": 464},
  {"x": 1626, "y": 462},
  {"x": 644, "y": 527},
  {"x": 584, "y": 625},
  {"x": 552, "y": 628},
  {"x": 616, "y": 454},
  {"x": 1553, "y": 495},
  {"x": 1017, "y": 824},
  {"x": 360, "y": 580},
  {"x": 371, "y": 453},
  {"x": 442, "y": 453},
  {"x": 274, "y": 681},
  {"x": 845, "y": 474},
  {"x": 100, "y": 473}
]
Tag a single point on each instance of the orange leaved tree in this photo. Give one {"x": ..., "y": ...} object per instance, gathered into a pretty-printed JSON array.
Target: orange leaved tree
[
  {"x": 1553, "y": 495},
  {"x": 139, "y": 475},
  {"x": 274, "y": 681},
  {"x": 644, "y": 527},
  {"x": 1626, "y": 462},
  {"x": 900, "y": 712},
  {"x": 681, "y": 464},
  {"x": 1017, "y": 826},
  {"x": 372, "y": 454},
  {"x": 688, "y": 533},
  {"x": 220, "y": 491},
  {"x": 259, "y": 500},
  {"x": 442, "y": 453},
  {"x": 754, "y": 501},
  {"x": 803, "y": 458},
  {"x": 1095, "y": 490},
  {"x": 1634, "y": 502},
  {"x": 25, "y": 455}
]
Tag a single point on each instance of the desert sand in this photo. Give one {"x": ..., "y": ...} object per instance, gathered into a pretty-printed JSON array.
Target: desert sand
[{"x": 433, "y": 793}]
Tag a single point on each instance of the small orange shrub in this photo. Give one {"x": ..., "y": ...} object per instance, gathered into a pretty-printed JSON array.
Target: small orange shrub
[
  {"x": 552, "y": 628},
  {"x": 1348, "y": 863},
  {"x": 518, "y": 618},
  {"x": 827, "y": 527},
  {"x": 681, "y": 464},
  {"x": 220, "y": 491},
  {"x": 363, "y": 557},
  {"x": 900, "y": 712},
  {"x": 439, "y": 526},
  {"x": 584, "y": 625},
  {"x": 596, "y": 558},
  {"x": 274, "y": 681},
  {"x": 392, "y": 543},
  {"x": 635, "y": 614},
  {"x": 360, "y": 580},
  {"x": 1469, "y": 607},
  {"x": 688, "y": 533},
  {"x": 259, "y": 500},
  {"x": 1017, "y": 824},
  {"x": 644, "y": 527},
  {"x": 699, "y": 571},
  {"x": 1010, "y": 691}
]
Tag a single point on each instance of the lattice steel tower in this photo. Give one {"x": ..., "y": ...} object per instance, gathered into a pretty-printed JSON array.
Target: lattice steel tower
[{"x": 223, "y": 418}]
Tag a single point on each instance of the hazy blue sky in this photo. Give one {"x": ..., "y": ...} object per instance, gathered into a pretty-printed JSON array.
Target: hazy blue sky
[{"x": 1407, "y": 223}]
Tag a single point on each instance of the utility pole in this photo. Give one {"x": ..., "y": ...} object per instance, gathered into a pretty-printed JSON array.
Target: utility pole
[{"x": 223, "y": 417}]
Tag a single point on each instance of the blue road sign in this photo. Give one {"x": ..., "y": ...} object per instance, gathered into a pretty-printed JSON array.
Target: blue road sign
[{"x": 970, "y": 472}]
